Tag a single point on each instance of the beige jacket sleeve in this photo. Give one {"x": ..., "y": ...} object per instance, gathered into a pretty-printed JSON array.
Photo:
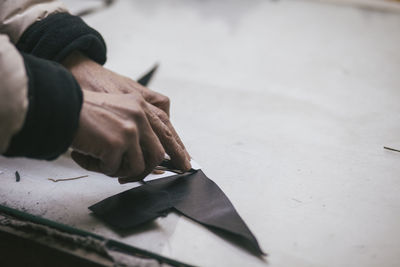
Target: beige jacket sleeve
[
  {"x": 15, "y": 17},
  {"x": 13, "y": 91}
]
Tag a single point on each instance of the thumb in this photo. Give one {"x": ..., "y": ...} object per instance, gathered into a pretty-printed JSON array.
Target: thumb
[{"x": 85, "y": 161}]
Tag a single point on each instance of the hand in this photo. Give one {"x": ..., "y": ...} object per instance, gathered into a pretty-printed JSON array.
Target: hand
[
  {"x": 121, "y": 135},
  {"x": 95, "y": 77}
]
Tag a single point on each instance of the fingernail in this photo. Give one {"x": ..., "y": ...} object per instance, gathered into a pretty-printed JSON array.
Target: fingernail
[
  {"x": 188, "y": 155},
  {"x": 158, "y": 172},
  {"x": 188, "y": 166}
]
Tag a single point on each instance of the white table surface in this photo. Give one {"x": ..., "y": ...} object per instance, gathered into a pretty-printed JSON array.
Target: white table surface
[{"x": 287, "y": 106}]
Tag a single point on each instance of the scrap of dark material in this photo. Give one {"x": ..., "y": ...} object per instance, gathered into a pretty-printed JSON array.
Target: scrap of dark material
[
  {"x": 17, "y": 176},
  {"x": 192, "y": 194},
  {"x": 146, "y": 78},
  {"x": 392, "y": 149}
]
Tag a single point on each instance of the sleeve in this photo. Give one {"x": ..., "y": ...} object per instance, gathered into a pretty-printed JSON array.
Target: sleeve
[
  {"x": 17, "y": 15},
  {"x": 40, "y": 100},
  {"x": 56, "y": 36},
  {"x": 52, "y": 117},
  {"x": 13, "y": 92},
  {"x": 45, "y": 29}
]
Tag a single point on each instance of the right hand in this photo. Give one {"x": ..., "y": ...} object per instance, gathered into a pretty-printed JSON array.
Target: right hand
[{"x": 122, "y": 135}]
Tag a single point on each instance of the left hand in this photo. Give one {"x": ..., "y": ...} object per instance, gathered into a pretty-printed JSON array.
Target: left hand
[{"x": 94, "y": 77}]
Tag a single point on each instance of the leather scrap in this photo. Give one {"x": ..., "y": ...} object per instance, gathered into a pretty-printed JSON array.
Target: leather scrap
[{"x": 192, "y": 194}]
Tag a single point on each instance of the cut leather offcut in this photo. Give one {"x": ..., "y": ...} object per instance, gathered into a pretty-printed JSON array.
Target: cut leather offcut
[{"x": 192, "y": 194}]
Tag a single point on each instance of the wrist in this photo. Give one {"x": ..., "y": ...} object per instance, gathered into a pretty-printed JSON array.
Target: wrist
[
  {"x": 83, "y": 69},
  {"x": 74, "y": 59}
]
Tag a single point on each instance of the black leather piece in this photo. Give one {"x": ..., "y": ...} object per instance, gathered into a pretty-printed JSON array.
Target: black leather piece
[
  {"x": 146, "y": 78},
  {"x": 192, "y": 194}
]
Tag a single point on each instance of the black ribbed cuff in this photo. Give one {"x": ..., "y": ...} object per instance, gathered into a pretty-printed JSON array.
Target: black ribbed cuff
[
  {"x": 56, "y": 36},
  {"x": 55, "y": 101}
]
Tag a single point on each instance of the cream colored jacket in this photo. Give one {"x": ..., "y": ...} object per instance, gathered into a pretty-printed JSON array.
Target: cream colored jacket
[{"x": 15, "y": 17}]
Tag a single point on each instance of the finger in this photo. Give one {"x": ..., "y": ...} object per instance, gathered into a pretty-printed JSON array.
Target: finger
[
  {"x": 167, "y": 122},
  {"x": 159, "y": 100},
  {"x": 99, "y": 143},
  {"x": 111, "y": 160},
  {"x": 177, "y": 153},
  {"x": 129, "y": 179},
  {"x": 133, "y": 163},
  {"x": 124, "y": 180},
  {"x": 152, "y": 150},
  {"x": 85, "y": 161}
]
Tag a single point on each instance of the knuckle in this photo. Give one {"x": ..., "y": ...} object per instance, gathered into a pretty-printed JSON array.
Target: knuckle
[
  {"x": 138, "y": 113},
  {"x": 142, "y": 102},
  {"x": 130, "y": 129},
  {"x": 114, "y": 143},
  {"x": 168, "y": 134},
  {"x": 165, "y": 100},
  {"x": 163, "y": 116}
]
